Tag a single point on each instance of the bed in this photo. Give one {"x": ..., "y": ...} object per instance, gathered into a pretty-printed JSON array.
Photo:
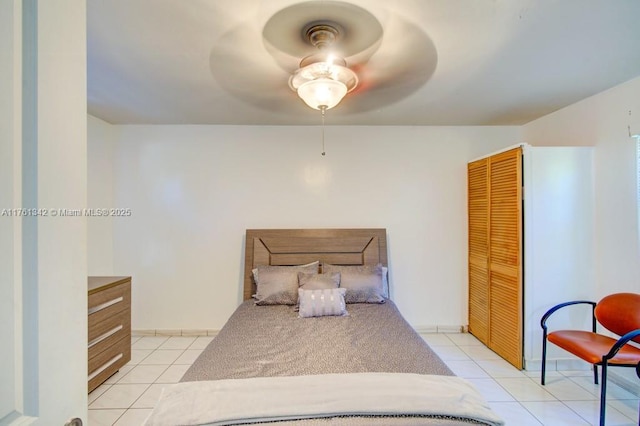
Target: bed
[{"x": 339, "y": 354}]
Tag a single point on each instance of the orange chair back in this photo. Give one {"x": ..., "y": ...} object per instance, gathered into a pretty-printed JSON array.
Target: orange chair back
[{"x": 619, "y": 313}]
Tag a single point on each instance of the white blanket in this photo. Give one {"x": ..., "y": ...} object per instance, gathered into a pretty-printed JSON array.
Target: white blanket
[{"x": 255, "y": 400}]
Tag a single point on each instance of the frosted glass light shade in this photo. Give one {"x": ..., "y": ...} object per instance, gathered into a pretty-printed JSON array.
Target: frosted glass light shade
[
  {"x": 322, "y": 92},
  {"x": 323, "y": 83}
]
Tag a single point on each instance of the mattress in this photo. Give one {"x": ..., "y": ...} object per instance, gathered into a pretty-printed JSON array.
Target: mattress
[
  {"x": 271, "y": 343},
  {"x": 267, "y": 341}
]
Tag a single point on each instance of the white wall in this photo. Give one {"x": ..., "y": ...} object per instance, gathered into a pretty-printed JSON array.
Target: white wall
[
  {"x": 601, "y": 121},
  {"x": 558, "y": 243},
  {"x": 193, "y": 190},
  {"x": 100, "y": 145}
]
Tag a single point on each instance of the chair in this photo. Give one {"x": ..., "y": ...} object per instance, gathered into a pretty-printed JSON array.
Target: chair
[{"x": 620, "y": 314}]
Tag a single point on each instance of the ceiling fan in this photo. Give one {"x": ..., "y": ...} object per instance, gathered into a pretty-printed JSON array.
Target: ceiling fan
[
  {"x": 323, "y": 78},
  {"x": 322, "y": 50}
]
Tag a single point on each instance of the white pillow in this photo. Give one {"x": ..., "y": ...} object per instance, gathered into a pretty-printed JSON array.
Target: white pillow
[{"x": 319, "y": 303}]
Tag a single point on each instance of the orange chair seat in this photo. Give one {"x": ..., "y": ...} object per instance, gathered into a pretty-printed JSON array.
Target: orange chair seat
[{"x": 592, "y": 346}]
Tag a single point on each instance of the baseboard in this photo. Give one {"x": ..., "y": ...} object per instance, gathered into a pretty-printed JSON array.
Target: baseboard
[
  {"x": 628, "y": 382},
  {"x": 427, "y": 329},
  {"x": 174, "y": 332}
]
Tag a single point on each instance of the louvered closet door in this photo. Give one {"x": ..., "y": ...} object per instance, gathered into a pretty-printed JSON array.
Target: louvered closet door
[
  {"x": 478, "y": 199},
  {"x": 495, "y": 253},
  {"x": 505, "y": 255}
]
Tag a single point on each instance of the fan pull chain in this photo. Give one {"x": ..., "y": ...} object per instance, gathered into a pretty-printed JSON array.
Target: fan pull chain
[{"x": 323, "y": 109}]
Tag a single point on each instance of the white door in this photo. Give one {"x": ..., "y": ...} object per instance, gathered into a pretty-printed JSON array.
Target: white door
[{"x": 43, "y": 267}]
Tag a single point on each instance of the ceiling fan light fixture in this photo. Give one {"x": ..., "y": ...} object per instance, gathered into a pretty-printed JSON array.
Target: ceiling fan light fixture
[
  {"x": 323, "y": 83},
  {"x": 323, "y": 78},
  {"x": 322, "y": 93}
]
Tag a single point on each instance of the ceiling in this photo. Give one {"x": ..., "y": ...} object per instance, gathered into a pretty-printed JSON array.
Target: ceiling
[{"x": 442, "y": 62}]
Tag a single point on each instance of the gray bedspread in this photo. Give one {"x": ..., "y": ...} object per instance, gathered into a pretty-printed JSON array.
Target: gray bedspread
[
  {"x": 270, "y": 341},
  {"x": 267, "y": 341}
]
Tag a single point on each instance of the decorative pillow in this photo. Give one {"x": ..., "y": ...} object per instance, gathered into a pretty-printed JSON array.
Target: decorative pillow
[
  {"x": 278, "y": 285},
  {"x": 364, "y": 283},
  {"x": 254, "y": 271},
  {"x": 319, "y": 303},
  {"x": 318, "y": 281}
]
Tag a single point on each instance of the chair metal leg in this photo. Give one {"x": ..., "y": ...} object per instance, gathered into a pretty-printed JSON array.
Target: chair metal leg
[
  {"x": 595, "y": 373},
  {"x": 603, "y": 393},
  {"x": 544, "y": 358}
]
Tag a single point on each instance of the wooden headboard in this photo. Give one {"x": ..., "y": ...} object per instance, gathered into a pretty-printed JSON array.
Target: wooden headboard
[{"x": 300, "y": 246}]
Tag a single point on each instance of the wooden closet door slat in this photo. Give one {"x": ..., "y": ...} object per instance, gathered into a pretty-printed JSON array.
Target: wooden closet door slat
[{"x": 478, "y": 199}]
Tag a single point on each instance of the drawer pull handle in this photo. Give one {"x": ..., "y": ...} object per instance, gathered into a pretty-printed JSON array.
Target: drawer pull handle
[
  {"x": 105, "y": 335},
  {"x": 105, "y": 366},
  {"x": 105, "y": 305}
]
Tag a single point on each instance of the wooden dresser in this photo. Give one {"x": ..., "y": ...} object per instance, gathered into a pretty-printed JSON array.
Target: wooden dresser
[{"x": 109, "y": 327}]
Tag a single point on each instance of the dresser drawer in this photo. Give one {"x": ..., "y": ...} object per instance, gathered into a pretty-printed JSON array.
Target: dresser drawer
[
  {"x": 108, "y": 362},
  {"x": 98, "y": 296},
  {"x": 111, "y": 336},
  {"x": 105, "y": 306},
  {"x": 98, "y": 328},
  {"x": 121, "y": 347}
]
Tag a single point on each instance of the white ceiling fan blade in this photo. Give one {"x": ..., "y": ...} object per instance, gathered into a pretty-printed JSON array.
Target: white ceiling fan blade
[
  {"x": 256, "y": 79},
  {"x": 404, "y": 62}
]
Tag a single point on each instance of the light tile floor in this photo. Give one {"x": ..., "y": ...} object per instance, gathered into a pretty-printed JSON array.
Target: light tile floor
[{"x": 569, "y": 398}]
